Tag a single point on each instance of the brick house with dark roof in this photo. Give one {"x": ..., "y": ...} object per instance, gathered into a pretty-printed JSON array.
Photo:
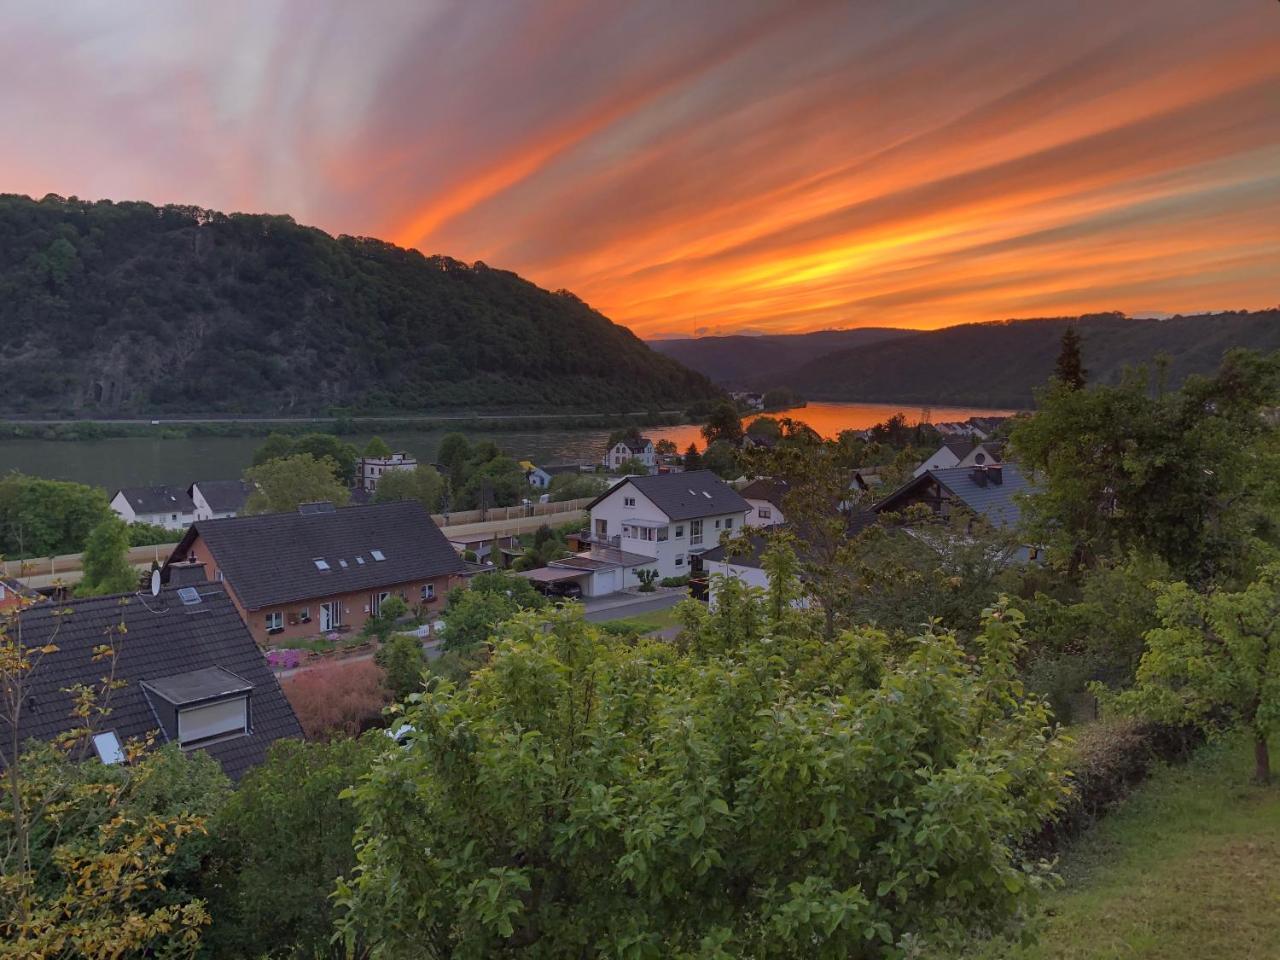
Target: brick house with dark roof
[
  {"x": 192, "y": 674},
  {"x": 318, "y": 570}
]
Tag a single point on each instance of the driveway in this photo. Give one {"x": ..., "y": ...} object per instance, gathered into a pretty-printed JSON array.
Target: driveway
[{"x": 619, "y": 606}]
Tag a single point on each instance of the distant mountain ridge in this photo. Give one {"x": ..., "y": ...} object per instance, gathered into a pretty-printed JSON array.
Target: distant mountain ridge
[
  {"x": 1001, "y": 364},
  {"x": 128, "y": 308},
  {"x": 741, "y": 361}
]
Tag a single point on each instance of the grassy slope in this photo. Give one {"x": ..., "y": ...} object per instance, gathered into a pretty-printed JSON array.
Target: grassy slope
[{"x": 1188, "y": 868}]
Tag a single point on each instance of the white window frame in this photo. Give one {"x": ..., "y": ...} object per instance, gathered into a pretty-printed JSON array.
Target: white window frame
[
  {"x": 228, "y": 729},
  {"x": 332, "y": 613},
  {"x": 275, "y": 620},
  {"x": 428, "y": 592}
]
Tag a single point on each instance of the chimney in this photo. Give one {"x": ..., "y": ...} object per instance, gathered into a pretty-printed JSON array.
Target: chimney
[
  {"x": 979, "y": 476},
  {"x": 186, "y": 574},
  {"x": 996, "y": 472}
]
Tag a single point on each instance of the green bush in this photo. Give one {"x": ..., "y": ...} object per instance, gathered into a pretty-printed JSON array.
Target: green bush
[{"x": 681, "y": 581}]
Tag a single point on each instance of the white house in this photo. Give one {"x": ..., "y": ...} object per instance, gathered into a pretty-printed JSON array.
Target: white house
[
  {"x": 765, "y": 494},
  {"x": 960, "y": 453},
  {"x": 164, "y": 506},
  {"x": 370, "y": 469},
  {"x": 666, "y": 518},
  {"x": 538, "y": 478},
  {"x": 216, "y": 499},
  {"x": 633, "y": 448}
]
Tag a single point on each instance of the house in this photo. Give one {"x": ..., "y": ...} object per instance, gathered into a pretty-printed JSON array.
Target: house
[
  {"x": 759, "y": 441},
  {"x": 536, "y": 477},
  {"x": 598, "y": 571},
  {"x": 163, "y": 506},
  {"x": 985, "y": 427},
  {"x": 216, "y": 499},
  {"x": 631, "y": 448},
  {"x": 752, "y": 401},
  {"x": 370, "y": 469},
  {"x": 743, "y": 563},
  {"x": 15, "y": 594},
  {"x": 320, "y": 570},
  {"x": 191, "y": 671},
  {"x": 992, "y": 492},
  {"x": 961, "y": 453},
  {"x": 666, "y": 517},
  {"x": 765, "y": 495}
]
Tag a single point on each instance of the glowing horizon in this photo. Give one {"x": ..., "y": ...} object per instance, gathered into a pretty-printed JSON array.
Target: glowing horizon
[{"x": 693, "y": 169}]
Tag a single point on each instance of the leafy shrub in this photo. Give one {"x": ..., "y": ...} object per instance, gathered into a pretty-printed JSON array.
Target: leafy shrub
[
  {"x": 681, "y": 581},
  {"x": 647, "y": 579},
  {"x": 338, "y": 699},
  {"x": 402, "y": 660}
]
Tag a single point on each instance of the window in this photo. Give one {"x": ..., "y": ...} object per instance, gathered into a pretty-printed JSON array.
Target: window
[
  {"x": 218, "y": 576},
  {"x": 679, "y": 559},
  {"x": 764, "y": 513},
  {"x": 628, "y": 501},
  {"x": 304, "y": 615},
  {"x": 428, "y": 592},
  {"x": 360, "y": 560},
  {"x": 321, "y": 563},
  {"x": 221, "y": 718},
  {"x": 662, "y": 534},
  {"x": 728, "y": 523},
  {"x": 275, "y": 621},
  {"x": 695, "y": 532},
  {"x": 376, "y": 600},
  {"x": 717, "y": 524},
  {"x": 377, "y": 554},
  {"x": 107, "y": 746},
  {"x": 679, "y": 531}
]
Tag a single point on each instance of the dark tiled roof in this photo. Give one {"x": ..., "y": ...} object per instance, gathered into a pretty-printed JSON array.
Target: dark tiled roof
[
  {"x": 637, "y": 444},
  {"x": 225, "y": 496},
  {"x": 163, "y": 638},
  {"x": 270, "y": 559},
  {"x": 997, "y": 502},
  {"x": 161, "y": 499},
  {"x": 766, "y": 489},
  {"x": 685, "y": 496},
  {"x": 961, "y": 448}
]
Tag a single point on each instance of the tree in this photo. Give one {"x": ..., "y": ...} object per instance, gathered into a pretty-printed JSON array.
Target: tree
[
  {"x": 472, "y": 612},
  {"x": 1215, "y": 659},
  {"x": 632, "y": 435},
  {"x": 285, "y": 483},
  {"x": 282, "y": 838},
  {"x": 454, "y": 452},
  {"x": 402, "y": 661},
  {"x": 1069, "y": 369},
  {"x": 765, "y": 427},
  {"x": 41, "y": 517},
  {"x": 665, "y": 448},
  {"x": 756, "y": 792},
  {"x": 493, "y": 482},
  {"x": 692, "y": 458},
  {"x": 647, "y": 580},
  {"x": 575, "y": 486},
  {"x": 1182, "y": 476},
  {"x": 781, "y": 398},
  {"x": 96, "y": 860},
  {"x": 106, "y": 561},
  {"x": 377, "y": 447},
  {"x": 631, "y": 467},
  {"x": 722, "y": 458},
  {"x": 423, "y": 483},
  {"x": 277, "y": 446},
  {"x": 723, "y": 424},
  {"x": 381, "y": 624},
  {"x": 547, "y": 545},
  {"x": 318, "y": 445}
]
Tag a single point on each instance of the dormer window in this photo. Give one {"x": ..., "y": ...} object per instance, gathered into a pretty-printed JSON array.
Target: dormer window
[{"x": 201, "y": 706}]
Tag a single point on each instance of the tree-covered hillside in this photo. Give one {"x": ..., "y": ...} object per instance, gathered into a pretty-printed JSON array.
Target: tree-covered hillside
[
  {"x": 736, "y": 361},
  {"x": 1001, "y": 364},
  {"x": 128, "y": 308}
]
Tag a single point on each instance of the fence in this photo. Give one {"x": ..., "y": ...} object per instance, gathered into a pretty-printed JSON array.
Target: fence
[{"x": 459, "y": 518}]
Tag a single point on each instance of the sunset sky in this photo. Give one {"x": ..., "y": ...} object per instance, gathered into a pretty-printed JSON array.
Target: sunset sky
[{"x": 698, "y": 166}]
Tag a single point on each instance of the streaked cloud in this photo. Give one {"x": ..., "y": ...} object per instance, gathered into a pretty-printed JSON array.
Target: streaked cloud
[{"x": 719, "y": 166}]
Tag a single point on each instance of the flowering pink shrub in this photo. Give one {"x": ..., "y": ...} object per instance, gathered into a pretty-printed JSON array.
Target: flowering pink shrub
[{"x": 335, "y": 700}]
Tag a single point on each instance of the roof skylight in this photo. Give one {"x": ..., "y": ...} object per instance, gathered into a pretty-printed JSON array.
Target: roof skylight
[
  {"x": 107, "y": 746},
  {"x": 321, "y": 563},
  {"x": 377, "y": 554}
]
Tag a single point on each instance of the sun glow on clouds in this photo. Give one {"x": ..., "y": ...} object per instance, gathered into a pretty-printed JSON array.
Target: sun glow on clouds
[{"x": 743, "y": 164}]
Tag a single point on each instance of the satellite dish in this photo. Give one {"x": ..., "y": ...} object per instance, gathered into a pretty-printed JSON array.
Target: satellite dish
[{"x": 155, "y": 582}]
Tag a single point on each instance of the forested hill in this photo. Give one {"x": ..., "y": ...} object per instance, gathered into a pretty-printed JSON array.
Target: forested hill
[
  {"x": 1001, "y": 364},
  {"x": 127, "y": 308},
  {"x": 737, "y": 361}
]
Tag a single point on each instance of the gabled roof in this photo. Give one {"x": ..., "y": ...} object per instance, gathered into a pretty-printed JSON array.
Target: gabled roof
[
  {"x": 164, "y": 640},
  {"x": 225, "y": 496},
  {"x": 996, "y": 502},
  {"x": 767, "y": 489},
  {"x": 961, "y": 448},
  {"x": 271, "y": 559},
  {"x": 684, "y": 496},
  {"x": 636, "y": 444},
  {"x": 157, "y": 499}
]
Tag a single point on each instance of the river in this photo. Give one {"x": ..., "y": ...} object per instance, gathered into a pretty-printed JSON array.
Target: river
[{"x": 135, "y": 461}]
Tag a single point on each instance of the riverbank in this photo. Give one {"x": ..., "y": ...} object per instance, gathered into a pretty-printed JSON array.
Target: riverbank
[{"x": 186, "y": 428}]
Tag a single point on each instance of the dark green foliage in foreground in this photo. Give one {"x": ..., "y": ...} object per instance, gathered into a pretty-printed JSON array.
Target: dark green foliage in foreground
[
  {"x": 41, "y": 517},
  {"x": 127, "y": 307},
  {"x": 282, "y": 840}
]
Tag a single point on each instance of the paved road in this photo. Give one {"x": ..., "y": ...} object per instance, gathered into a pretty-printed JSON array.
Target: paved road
[{"x": 617, "y": 608}]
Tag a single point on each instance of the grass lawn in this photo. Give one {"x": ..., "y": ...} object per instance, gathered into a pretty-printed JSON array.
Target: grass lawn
[
  {"x": 651, "y": 622},
  {"x": 1187, "y": 869}
]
